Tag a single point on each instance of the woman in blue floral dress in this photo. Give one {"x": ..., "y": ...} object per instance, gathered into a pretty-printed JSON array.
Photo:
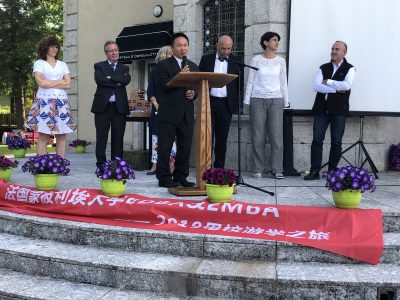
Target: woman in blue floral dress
[{"x": 51, "y": 112}]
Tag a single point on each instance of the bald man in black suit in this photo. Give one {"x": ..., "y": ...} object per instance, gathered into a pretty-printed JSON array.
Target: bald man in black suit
[{"x": 223, "y": 101}]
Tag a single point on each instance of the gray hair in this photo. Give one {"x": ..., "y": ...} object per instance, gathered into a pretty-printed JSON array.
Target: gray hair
[
  {"x": 162, "y": 53},
  {"x": 109, "y": 43},
  {"x": 344, "y": 44}
]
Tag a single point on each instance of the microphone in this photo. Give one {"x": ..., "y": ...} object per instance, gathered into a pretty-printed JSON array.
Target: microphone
[
  {"x": 222, "y": 58},
  {"x": 184, "y": 61}
]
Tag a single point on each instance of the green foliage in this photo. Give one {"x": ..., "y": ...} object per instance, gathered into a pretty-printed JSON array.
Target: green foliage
[
  {"x": 22, "y": 24},
  {"x": 4, "y": 104},
  {"x": 4, "y": 150}
]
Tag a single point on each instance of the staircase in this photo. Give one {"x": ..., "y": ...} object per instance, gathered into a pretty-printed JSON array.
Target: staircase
[{"x": 42, "y": 258}]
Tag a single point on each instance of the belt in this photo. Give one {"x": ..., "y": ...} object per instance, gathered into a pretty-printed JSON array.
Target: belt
[
  {"x": 218, "y": 98},
  {"x": 112, "y": 102}
]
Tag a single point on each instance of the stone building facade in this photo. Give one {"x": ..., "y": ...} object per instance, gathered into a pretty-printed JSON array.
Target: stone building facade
[{"x": 260, "y": 16}]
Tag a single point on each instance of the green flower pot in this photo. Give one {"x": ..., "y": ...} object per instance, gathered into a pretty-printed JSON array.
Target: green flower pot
[
  {"x": 19, "y": 153},
  {"x": 6, "y": 173},
  {"x": 80, "y": 149},
  {"x": 111, "y": 187},
  {"x": 218, "y": 193},
  {"x": 46, "y": 182},
  {"x": 347, "y": 198}
]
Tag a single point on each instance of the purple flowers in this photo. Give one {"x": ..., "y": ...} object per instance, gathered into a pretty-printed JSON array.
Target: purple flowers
[
  {"x": 394, "y": 157},
  {"x": 220, "y": 176},
  {"x": 350, "y": 178},
  {"x": 117, "y": 169},
  {"x": 18, "y": 143},
  {"x": 6, "y": 163},
  {"x": 47, "y": 164},
  {"x": 78, "y": 142}
]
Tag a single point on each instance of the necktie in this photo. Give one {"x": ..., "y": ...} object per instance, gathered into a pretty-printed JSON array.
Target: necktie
[
  {"x": 112, "y": 65},
  {"x": 183, "y": 64}
]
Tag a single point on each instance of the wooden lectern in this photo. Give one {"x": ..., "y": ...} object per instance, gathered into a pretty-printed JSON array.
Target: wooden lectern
[{"x": 205, "y": 81}]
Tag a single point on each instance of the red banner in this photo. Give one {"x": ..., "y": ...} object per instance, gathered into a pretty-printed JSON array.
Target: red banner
[{"x": 356, "y": 233}]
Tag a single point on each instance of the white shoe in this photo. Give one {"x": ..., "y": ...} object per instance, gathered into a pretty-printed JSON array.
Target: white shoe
[{"x": 257, "y": 175}]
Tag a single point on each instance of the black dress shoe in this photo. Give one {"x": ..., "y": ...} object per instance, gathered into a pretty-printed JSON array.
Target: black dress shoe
[
  {"x": 151, "y": 173},
  {"x": 313, "y": 175},
  {"x": 183, "y": 182},
  {"x": 168, "y": 183}
]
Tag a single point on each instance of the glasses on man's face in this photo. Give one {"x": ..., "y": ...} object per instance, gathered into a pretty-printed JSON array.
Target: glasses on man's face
[{"x": 112, "y": 50}]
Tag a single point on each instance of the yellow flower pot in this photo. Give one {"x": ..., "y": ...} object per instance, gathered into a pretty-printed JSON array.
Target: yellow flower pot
[
  {"x": 112, "y": 187},
  {"x": 80, "y": 149},
  {"x": 6, "y": 173},
  {"x": 218, "y": 193},
  {"x": 46, "y": 182},
  {"x": 19, "y": 153},
  {"x": 347, "y": 198}
]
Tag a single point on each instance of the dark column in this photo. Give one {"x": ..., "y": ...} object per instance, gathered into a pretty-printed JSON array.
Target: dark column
[{"x": 288, "y": 168}]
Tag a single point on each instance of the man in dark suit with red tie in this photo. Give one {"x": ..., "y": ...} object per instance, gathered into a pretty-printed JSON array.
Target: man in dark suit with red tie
[
  {"x": 110, "y": 104},
  {"x": 175, "y": 115},
  {"x": 223, "y": 101}
]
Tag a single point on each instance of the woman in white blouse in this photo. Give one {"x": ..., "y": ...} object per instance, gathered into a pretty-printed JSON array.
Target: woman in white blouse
[
  {"x": 267, "y": 94},
  {"x": 51, "y": 112}
]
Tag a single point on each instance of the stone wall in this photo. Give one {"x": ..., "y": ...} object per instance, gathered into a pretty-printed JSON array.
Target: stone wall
[{"x": 70, "y": 46}]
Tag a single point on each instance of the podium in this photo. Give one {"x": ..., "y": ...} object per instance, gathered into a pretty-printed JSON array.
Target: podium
[{"x": 205, "y": 81}]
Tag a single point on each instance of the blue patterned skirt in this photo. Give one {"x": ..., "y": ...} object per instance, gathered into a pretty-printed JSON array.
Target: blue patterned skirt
[{"x": 51, "y": 116}]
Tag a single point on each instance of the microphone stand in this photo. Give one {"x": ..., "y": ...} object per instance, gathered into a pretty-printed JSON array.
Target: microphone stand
[{"x": 239, "y": 180}]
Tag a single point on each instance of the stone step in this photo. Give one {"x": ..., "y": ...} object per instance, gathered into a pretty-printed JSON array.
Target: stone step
[
  {"x": 160, "y": 273},
  {"x": 194, "y": 245},
  {"x": 332, "y": 281},
  {"x": 190, "y": 276},
  {"x": 16, "y": 285},
  {"x": 288, "y": 252}
]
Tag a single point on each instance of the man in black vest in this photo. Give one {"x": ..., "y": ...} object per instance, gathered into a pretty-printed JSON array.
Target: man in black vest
[
  {"x": 332, "y": 84},
  {"x": 223, "y": 100}
]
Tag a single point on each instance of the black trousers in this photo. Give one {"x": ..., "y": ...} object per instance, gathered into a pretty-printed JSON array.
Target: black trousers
[
  {"x": 166, "y": 136},
  {"x": 103, "y": 121},
  {"x": 337, "y": 126},
  {"x": 220, "y": 121}
]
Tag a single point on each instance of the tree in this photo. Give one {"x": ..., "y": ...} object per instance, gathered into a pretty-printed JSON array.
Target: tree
[{"x": 22, "y": 24}]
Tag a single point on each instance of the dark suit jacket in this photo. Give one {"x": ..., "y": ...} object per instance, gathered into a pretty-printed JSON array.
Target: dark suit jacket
[
  {"x": 207, "y": 64},
  {"x": 174, "y": 107},
  {"x": 152, "y": 91},
  {"x": 119, "y": 79}
]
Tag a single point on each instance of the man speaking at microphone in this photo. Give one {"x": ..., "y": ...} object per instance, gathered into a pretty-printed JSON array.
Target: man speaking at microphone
[
  {"x": 175, "y": 115},
  {"x": 223, "y": 101}
]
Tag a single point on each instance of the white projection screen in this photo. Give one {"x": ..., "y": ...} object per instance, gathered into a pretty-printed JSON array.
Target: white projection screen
[{"x": 371, "y": 30}]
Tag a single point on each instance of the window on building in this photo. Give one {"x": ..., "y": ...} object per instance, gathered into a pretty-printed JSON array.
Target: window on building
[{"x": 224, "y": 17}]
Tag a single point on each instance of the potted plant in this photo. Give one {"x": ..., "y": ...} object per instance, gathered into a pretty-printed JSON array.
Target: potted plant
[
  {"x": 18, "y": 146},
  {"x": 113, "y": 175},
  {"x": 347, "y": 183},
  {"x": 79, "y": 145},
  {"x": 219, "y": 184},
  {"x": 46, "y": 170},
  {"x": 6, "y": 167}
]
